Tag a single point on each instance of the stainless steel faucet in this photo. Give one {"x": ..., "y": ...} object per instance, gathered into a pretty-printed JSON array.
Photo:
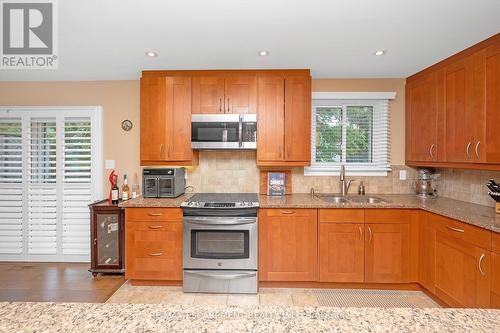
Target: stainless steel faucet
[{"x": 344, "y": 186}]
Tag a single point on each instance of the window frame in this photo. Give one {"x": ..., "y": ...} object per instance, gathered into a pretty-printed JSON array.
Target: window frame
[{"x": 380, "y": 164}]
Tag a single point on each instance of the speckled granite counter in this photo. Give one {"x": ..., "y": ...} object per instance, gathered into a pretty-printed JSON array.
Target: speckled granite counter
[
  {"x": 82, "y": 317},
  {"x": 481, "y": 216},
  {"x": 156, "y": 202}
]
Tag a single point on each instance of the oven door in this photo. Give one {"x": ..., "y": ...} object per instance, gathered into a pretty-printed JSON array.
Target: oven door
[
  {"x": 165, "y": 187},
  {"x": 220, "y": 242}
]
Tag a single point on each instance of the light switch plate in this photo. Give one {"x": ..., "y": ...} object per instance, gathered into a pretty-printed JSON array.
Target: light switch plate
[
  {"x": 402, "y": 174},
  {"x": 109, "y": 164}
]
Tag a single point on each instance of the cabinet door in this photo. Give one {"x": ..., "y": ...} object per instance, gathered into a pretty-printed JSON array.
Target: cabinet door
[
  {"x": 271, "y": 118},
  {"x": 341, "y": 252},
  {"x": 153, "y": 254},
  {"x": 464, "y": 108},
  {"x": 422, "y": 118},
  {"x": 495, "y": 281},
  {"x": 492, "y": 144},
  {"x": 153, "y": 119},
  {"x": 387, "y": 253},
  {"x": 427, "y": 252},
  {"x": 298, "y": 119},
  {"x": 208, "y": 95},
  {"x": 178, "y": 110},
  {"x": 288, "y": 245},
  {"x": 462, "y": 272},
  {"x": 241, "y": 95}
]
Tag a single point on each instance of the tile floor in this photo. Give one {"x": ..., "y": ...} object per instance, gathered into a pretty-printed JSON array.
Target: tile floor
[{"x": 275, "y": 297}]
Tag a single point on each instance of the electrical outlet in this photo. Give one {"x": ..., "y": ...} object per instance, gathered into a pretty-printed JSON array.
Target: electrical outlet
[
  {"x": 402, "y": 174},
  {"x": 109, "y": 164}
]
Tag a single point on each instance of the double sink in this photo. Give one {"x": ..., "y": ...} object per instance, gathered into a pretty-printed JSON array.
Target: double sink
[{"x": 343, "y": 199}]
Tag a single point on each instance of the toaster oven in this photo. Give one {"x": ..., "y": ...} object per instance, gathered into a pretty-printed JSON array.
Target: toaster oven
[{"x": 163, "y": 182}]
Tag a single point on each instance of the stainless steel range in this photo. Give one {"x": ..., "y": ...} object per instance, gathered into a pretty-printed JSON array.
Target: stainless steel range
[{"x": 220, "y": 246}]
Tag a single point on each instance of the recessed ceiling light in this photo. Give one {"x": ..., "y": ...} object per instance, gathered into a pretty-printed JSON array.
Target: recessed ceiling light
[
  {"x": 151, "y": 54},
  {"x": 263, "y": 53},
  {"x": 379, "y": 52}
]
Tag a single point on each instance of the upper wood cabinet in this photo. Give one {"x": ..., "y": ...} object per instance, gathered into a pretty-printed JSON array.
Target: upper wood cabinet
[
  {"x": 453, "y": 110},
  {"x": 219, "y": 94},
  {"x": 166, "y": 120},
  {"x": 284, "y": 121},
  {"x": 288, "y": 245}
]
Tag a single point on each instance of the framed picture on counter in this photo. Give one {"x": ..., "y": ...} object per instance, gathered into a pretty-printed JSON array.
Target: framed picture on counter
[{"x": 276, "y": 183}]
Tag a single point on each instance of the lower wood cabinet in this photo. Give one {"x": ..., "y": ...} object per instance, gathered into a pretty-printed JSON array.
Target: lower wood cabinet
[
  {"x": 342, "y": 252},
  {"x": 153, "y": 243},
  {"x": 462, "y": 272},
  {"x": 387, "y": 252},
  {"x": 495, "y": 271},
  {"x": 427, "y": 251},
  {"x": 288, "y": 245}
]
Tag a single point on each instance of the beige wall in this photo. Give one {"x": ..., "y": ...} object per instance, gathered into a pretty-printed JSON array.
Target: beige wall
[{"x": 120, "y": 100}]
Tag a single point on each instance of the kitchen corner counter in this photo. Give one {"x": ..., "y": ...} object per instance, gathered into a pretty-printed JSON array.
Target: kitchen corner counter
[{"x": 142, "y": 202}]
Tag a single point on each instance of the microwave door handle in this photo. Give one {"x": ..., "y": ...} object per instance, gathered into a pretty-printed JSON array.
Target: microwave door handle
[
  {"x": 157, "y": 187},
  {"x": 240, "y": 131}
]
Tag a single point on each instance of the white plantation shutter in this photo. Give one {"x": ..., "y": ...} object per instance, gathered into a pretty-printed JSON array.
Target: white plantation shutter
[
  {"x": 11, "y": 194},
  {"x": 353, "y": 132},
  {"x": 50, "y": 170}
]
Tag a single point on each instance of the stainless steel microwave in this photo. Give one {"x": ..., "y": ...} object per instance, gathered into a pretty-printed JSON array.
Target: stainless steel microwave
[
  {"x": 224, "y": 131},
  {"x": 163, "y": 182}
]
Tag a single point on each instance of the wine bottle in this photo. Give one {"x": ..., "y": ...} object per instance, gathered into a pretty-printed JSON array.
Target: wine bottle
[
  {"x": 125, "y": 189},
  {"x": 115, "y": 192}
]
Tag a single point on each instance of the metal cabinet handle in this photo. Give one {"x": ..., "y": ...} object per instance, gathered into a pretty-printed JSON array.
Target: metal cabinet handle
[
  {"x": 155, "y": 226},
  {"x": 287, "y": 211},
  {"x": 161, "y": 149},
  {"x": 228, "y": 105},
  {"x": 467, "y": 150},
  {"x": 360, "y": 233},
  {"x": 455, "y": 229},
  {"x": 220, "y": 105},
  {"x": 155, "y": 254},
  {"x": 479, "y": 262},
  {"x": 369, "y": 234},
  {"x": 431, "y": 148},
  {"x": 477, "y": 148}
]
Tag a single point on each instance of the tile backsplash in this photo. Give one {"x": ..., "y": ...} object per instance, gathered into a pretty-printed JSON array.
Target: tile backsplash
[
  {"x": 466, "y": 185},
  {"x": 236, "y": 171}
]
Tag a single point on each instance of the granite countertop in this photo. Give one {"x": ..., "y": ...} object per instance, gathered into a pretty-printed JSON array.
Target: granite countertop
[
  {"x": 478, "y": 215},
  {"x": 85, "y": 317}
]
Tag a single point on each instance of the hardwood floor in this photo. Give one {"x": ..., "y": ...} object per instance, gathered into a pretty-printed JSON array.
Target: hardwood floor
[{"x": 54, "y": 282}]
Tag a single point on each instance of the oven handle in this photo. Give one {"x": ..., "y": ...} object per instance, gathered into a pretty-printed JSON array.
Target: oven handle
[
  {"x": 220, "y": 221},
  {"x": 222, "y": 276}
]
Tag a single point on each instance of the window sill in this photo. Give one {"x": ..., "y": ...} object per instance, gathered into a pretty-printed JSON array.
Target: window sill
[{"x": 350, "y": 171}]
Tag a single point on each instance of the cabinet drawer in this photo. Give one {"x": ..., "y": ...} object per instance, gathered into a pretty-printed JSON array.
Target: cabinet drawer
[
  {"x": 151, "y": 226},
  {"x": 290, "y": 212},
  {"x": 474, "y": 235},
  {"x": 495, "y": 242},
  {"x": 387, "y": 215},
  {"x": 342, "y": 215},
  {"x": 153, "y": 214}
]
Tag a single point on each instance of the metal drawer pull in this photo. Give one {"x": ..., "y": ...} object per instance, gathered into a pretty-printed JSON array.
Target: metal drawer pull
[
  {"x": 155, "y": 254},
  {"x": 455, "y": 229},
  {"x": 479, "y": 265},
  {"x": 155, "y": 226},
  {"x": 369, "y": 234},
  {"x": 467, "y": 150},
  {"x": 287, "y": 211},
  {"x": 430, "y": 151},
  {"x": 477, "y": 148},
  {"x": 155, "y": 214},
  {"x": 360, "y": 233}
]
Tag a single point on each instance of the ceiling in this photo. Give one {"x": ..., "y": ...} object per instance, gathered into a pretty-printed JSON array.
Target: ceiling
[{"x": 107, "y": 39}]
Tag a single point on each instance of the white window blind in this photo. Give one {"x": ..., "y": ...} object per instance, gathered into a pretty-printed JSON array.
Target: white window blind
[
  {"x": 353, "y": 132},
  {"x": 50, "y": 170}
]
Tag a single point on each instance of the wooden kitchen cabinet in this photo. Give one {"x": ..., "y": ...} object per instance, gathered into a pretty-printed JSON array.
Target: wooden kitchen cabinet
[
  {"x": 387, "y": 252},
  {"x": 495, "y": 271},
  {"x": 462, "y": 272},
  {"x": 427, "y": 251},
  {"x": 284, "y": 121},
  {"x": 224, "y": 94},
  {"x": 288, "y": 245},
  {"x": 166, "y": 121},
  {"x": 153, "y": 243},
  {"x": 341, "y": 252},
  {"x": 491, "y": 146},
  {"x": 422, "y": 119}
]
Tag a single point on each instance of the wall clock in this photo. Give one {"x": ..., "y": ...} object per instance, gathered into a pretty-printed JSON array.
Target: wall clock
[{"x": 127, "y": 125}]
